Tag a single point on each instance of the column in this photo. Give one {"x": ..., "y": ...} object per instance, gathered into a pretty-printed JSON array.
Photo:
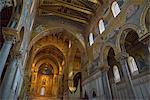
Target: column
[
  {"x": 60, "y": 93},
  {"x": 26, "y": 91},
  {"x": 15, "y": 85},
  {"x": 10, "y": 37},
  {"x": 122, "y": 57},
  {"x": 101, "y": 89},
  {"x": 105, "y": 81},
  {"x": 9, "y": 77}
]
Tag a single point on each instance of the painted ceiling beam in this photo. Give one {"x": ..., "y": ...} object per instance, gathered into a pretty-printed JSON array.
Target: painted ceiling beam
[
  {"x": 44, "y": 12},
  {"x": 67, "y": 5},
  {"x": 94, "y": 1}
]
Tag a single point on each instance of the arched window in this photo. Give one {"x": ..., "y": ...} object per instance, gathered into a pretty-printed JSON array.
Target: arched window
[
  {"x": 101, "y": 26},
  {"x": 116, "y": 74},
  {"x": 91, "y": 39},
  {"x": 132, "y": 65},
  {"x": 115, "y": 8},
  {"x": 70, "y": 44},
  {"x": 42, "y": 91}
]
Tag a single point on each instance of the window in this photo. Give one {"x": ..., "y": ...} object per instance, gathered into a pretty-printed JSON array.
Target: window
[
  {"x": 115, "y": 9},
  {"x": 101, "y": 26},
  {"x": 42, "y": 91},
  {"x": 91, "y": 39},
  {"x": 70, "y": 44},
  {"x": 116, "y": 74},
  {"x": 132, "y": 65}
]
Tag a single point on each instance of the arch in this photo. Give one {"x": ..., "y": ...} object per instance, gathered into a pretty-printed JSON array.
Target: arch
[
  {"x": 147, "y": 20},
  {"x": 47, "y": 45},
  {"x": 48, "y": 31},
  {"x": 116, "y": 74},
  {"x": 115, "y": 9},
  {"x": 132, "y": 65},
  {"x": 104, "y": 52},
  {"x": 56, "y": 69},
  {"x": 101, "y": 26},
  {"x": 46, "y": 56},
  {"x": 114, "y": 69},
  {"x": 143, "y": 19},
  {"x": 123, "y": 33},
  {"x": 46, "y": 69},
  {"x": 129, "y": 41}
]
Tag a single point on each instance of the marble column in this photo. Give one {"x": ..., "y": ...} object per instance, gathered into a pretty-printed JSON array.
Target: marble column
[
  {"x": 15, "y": 85},
  {"x": 4, "y": 53},
  {"x": 8, "y": 80},
  {"x": 105, "y": 81},
  {"x": 122, "y": 57},
  {"x": 10, "y": 38}
]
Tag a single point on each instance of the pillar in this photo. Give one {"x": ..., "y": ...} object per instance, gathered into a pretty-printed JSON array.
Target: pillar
[
  {"x": 105, "y": 81},
  {"x": 122, "y": 57},
  {"x": 6, "y": 86},
  {"x": 15, "y": 85},
  {"x": 10, "y": 38}
]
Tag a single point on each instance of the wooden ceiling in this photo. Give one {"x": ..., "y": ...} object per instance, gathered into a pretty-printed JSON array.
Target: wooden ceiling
[{"x": 76, "y": 10}]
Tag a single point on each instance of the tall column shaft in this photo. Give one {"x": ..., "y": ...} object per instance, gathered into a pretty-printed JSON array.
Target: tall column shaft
[
  {"x": 105, "y": 81},
  {"x": 10, "y": 36},
  {"x": 8, "y": 80},
  {"x": 15, "y": 84},
  {"x": 4, "y": 54},
  {"x": 122, "y": 58}
]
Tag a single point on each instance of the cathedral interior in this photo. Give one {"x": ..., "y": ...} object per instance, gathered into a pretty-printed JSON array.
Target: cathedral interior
[{"x": 74, "y": 49}]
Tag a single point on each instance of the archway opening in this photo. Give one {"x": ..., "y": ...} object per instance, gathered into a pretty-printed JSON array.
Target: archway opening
[
  {"x": 94, "y": 94},
  {"x": 138, "y": 53},
  {"x": 115, "y": 73},
  {"x": 44, "y": 81}
]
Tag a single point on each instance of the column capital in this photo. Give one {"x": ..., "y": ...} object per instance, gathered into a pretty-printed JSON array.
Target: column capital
[
  {"x": 104, "y": 67},
  {"x": 10, "y": 34},
  {"x": 16, "y": 54},
  {"x": 121, "y": 56}
]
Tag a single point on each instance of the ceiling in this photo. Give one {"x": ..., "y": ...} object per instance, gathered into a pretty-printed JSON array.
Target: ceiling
[{"x": 79, "y": 11}]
